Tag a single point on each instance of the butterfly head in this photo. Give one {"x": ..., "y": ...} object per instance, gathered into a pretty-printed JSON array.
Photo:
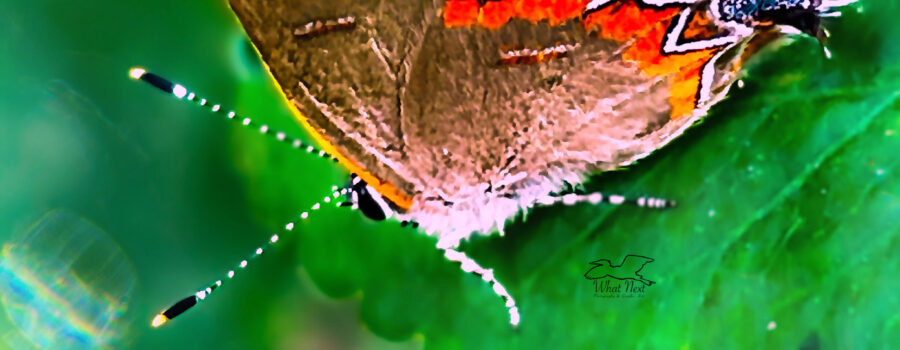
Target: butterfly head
[
  {"x": 797, "y": 16},
  {"x": 368, "y": 200}
]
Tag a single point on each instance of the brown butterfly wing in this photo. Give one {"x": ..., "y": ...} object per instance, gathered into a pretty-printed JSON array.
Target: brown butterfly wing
[
  {"x": 342, "y": 82},
  {"x": 432, "y": 111}
]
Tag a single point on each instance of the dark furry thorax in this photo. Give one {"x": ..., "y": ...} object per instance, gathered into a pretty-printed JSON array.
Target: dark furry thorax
[{"x": 800, "y": 14}]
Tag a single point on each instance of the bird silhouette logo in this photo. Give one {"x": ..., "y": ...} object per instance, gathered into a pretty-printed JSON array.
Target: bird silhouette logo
[{"x": 629, "y": 269}]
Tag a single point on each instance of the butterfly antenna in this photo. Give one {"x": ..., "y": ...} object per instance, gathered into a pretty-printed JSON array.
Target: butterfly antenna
[
  {"x": 192, "y": 300},
  {"x": 181, "y": 92}
]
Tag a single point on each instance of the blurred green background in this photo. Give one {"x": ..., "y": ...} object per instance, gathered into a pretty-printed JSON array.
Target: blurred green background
[{"x": 789, "y": 203}]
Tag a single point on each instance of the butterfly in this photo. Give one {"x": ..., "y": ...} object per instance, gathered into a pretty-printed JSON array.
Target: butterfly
[{"x": 456, "y": 115}]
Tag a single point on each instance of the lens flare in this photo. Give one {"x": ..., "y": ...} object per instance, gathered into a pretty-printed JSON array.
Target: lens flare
[{"x": 65, "y": 283}]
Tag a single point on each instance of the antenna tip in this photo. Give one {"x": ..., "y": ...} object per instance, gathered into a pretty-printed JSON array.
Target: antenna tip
[
  {"x": 137, "y": 72},
  {"x": 159, "y": 320}
]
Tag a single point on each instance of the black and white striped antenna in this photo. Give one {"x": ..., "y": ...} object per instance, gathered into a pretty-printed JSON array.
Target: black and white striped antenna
[
  {"x": 181, "y": 92},
  {"x": 192, "y": 300}
]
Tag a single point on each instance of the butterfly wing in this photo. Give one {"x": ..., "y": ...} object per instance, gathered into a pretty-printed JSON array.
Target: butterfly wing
[
  {"x": 342, "y": 81},
  {"x": 441, "y": 103}
]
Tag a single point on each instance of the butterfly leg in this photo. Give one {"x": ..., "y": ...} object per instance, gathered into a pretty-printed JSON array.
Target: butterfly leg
[
  {"x": 469, "y": 265},
  {"x": 597, "y": 197}
]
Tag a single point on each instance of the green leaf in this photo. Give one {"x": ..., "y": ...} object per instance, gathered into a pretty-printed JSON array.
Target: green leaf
[{"x": 784, "y": 237}]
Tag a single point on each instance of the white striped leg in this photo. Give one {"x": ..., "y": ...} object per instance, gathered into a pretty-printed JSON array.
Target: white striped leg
[
  {"x": 469, "y": 265},
  {"x": 597, "y": 197}
]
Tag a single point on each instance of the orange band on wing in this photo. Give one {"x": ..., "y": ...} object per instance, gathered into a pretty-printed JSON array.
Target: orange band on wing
[
  {"x": 625, "y": 20},
  {"x": 461, "y": 13},
  {"x": 494, "y": 14}
]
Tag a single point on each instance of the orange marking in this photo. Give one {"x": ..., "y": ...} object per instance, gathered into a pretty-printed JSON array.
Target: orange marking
[
  {"x": 554, "y": 11},
  {"x": 461, "y": 13},
  {"x": 683, "y": 96},
  {"x": 646, "y": 52},
  {"x": 626, "y": 20},
  {"x": 494, "y": 14}
]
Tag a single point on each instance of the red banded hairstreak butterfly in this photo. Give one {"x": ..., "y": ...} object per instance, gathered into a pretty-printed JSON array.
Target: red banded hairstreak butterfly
[{"x": 455, "y": 115}]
